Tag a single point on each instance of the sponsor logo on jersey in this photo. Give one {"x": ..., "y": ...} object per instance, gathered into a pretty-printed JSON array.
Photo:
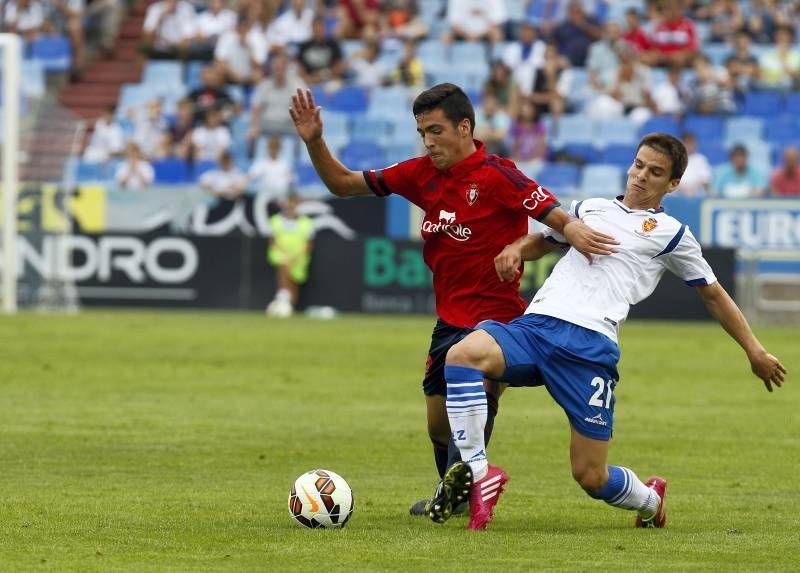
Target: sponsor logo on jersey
[
  {"x": 598, "y": 419},
  {"x": 447, "y": 224},
  {"x": 648, "y": 225},
  {"x": 538, "y": 195},
  {"x": 472, "y": 194}
]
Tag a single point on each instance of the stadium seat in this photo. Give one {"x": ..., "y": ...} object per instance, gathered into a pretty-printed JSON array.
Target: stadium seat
[
  {"x": 704, "y": 126},
  {"x": 348, "y": 99},
  {"x": 32, "y": 78},
  {"x": 792, "y": 103},
  {"x": 201, "y": 167},
  {"x": 584, "y": 151},
  {"x": 397, "y": 152},
  {"x": 741, "y": 129},
  {"x": 717, "y": 53},
  {"x": 615, "y": 131},
  {"x": 661, "y": 124},
  {"x": 171, "y": 170},
  {"x": 714, "y": 151},
  {"x": 366, "y": 128},
  {"x": 783, "y": 130},
  {"x": 163, "y": 72},
  {"x": 763, "y": 103},
  {"x": 572, "y": 129},
  {"x": 619, "y": 154},
  {"x": 601, "y": 180},
  {"x": 362, "y": 155},
  {"x": 559, "y": 177},
  {"x": 54, "y": 52},
  {"x": 387, "y": 101},
  {"x": 92, "y": 173}
]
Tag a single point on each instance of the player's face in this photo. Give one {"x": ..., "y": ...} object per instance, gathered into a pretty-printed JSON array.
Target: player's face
[
  {"x": 444, "y": 141},
  {"x": 649, "y": 179}
]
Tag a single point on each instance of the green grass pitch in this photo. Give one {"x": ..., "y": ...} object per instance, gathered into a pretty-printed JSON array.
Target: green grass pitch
[{"x": 166, "y": 441}]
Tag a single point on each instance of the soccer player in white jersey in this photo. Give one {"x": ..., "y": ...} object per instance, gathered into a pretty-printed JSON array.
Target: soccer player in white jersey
[{"x": 567, "y": 338}]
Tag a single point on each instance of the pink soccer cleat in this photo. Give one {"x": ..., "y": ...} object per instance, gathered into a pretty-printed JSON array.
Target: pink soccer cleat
[
  {"x": 658, "y": 485},
  {"x": 483, "y": 496}
]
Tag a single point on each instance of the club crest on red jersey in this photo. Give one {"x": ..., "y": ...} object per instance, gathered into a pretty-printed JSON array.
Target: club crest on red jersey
[{"x": 472, "y": 194}]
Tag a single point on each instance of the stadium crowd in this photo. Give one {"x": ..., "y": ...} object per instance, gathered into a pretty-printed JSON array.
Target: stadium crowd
[{"x": 565, "y": 88}]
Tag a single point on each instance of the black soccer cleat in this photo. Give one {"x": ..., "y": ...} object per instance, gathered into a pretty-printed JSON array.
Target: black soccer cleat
[{"x": 451, "y": 492}]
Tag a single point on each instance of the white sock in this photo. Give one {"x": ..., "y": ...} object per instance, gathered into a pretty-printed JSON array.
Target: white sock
[
  {"x": 467, "y": 411},
  {"x": 627, "y": 491}
]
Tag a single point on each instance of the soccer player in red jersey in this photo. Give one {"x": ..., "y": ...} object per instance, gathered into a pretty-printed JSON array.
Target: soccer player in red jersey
[{"x": 474, "y": 205}]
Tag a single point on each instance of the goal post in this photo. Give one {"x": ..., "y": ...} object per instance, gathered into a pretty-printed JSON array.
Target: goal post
[{"x": 10, "y": 46}]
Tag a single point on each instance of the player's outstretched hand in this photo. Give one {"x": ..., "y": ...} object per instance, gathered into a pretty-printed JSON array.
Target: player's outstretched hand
[
  {"x": 587, "y": 240},
  {"x": 508, "y": 262},
  {"x": 306, "y": 116},
  {"x": 769, "y": 369}
]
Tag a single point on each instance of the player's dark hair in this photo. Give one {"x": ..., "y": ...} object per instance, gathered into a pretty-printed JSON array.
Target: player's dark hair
[
  {"x": 451, "y": 99},
  {"x": 670, "y": 146}
]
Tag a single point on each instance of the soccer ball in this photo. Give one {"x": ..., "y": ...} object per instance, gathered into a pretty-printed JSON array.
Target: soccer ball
[{"x": 321, "y": 498}]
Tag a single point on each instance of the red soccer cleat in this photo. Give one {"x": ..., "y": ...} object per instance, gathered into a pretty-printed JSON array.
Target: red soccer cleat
[
  {"x": 483, "y": 496},
  {"x": 658, "y": 485}
]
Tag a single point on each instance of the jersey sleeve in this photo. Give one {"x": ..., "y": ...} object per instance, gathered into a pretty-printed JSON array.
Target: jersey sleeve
[
  {"x": 400, "y": 178},
  {"x": 514, "y": 190},
  {"x": 683, "y": 257}
]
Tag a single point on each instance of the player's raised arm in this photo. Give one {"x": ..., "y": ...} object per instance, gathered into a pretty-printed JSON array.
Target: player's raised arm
[
  {"x": 526, "y": 248},
  {"x": 724, "y": 309},
  {"x": 580, "y": 235},
  {"x": 308, "y": 122}
]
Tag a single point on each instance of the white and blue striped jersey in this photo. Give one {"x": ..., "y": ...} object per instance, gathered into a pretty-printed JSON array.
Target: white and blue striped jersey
[{"x": 598, "y": 296}]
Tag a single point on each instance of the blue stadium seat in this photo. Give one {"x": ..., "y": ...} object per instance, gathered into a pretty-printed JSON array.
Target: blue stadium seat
[
  {"x": 397, "y": 152},
  {"x": 163, "y": 72},
  {"x": 717, "y": 53},
  {"x": 366, "y": 128},
  {"x": 54, "y": 52},
  {"x": 742, "y": 128},
  {"x": 348, "y": 99},
  {"x": 584, "y": 151},
  {"x": 201, "y": 167},
  {"x": 792, "y": 103},
  {"x": 615, "y": 131},
  {"x": 559, "y": 177},
  {"x": 32, "y": 74},
  {"x": 388, "y": 101},
  {"x": 783, "y": 130},
  {"x": 362, "y": 155},
  {"x": 619, "y": 154},
  {"x": 572, "y": 129},
  {"x": 468, "y": 52},
  {"x": 714, "y": 152},
  {"x": 434, "y": 53},
  {"x": 92, "y": 172},
  {"x": 704, "y": 126},
  {"x": 308, "y": 182},
  {"x": 171, "y": 170},
  {"x": 661, "y": 124},
  {"x": 763, "y": 103},
  {"x": 194, "y": 72},
  {"x": 601, "y": 180}
]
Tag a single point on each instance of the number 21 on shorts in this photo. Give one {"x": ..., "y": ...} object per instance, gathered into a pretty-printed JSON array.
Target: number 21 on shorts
[{"x": 602, "y": 396}]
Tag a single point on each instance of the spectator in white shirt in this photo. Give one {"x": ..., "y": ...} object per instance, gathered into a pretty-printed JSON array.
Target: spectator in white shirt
[
  {"x": 24, "y": 17},
  {"x": 225, "y": 182},
  {"x": 135, "y": 172},
  {"x": 272, "y": 174},
  {"x": 149, "y": 129},
  {"x": 293, "y": 26},
  {"x": 366, "y": 64},
  {"x": 240, "y": 52},
  {"x": 271, "y": 100},
  {"x": 107, "y": 140},
  {"x": 475, "y": 20},
  {"x": 524, "y": 57},
  {"x": 168, "y": 28},
  {"x": 696, "y": 179},
  {"x": 209, "y": 26},
  {"x": 211, "y": 139}
]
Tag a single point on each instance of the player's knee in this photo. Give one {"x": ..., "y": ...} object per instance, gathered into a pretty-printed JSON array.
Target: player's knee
[
  {"x": 591, "y": 479},
  {"x": 465, "y": 354}
]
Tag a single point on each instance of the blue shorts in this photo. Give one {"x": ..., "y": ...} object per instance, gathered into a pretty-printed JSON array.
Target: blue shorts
[{"x": 578, "y": 367}]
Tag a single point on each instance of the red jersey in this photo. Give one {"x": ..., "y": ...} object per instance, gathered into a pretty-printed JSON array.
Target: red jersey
[
  {"x": 669, "y": 37},
  {"x": 472, "y": 211}
]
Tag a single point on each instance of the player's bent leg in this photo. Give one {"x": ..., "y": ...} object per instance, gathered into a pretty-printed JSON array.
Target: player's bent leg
[
  {"x": 617, "y": 486},
  {"x": 478, "y": 350}
]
